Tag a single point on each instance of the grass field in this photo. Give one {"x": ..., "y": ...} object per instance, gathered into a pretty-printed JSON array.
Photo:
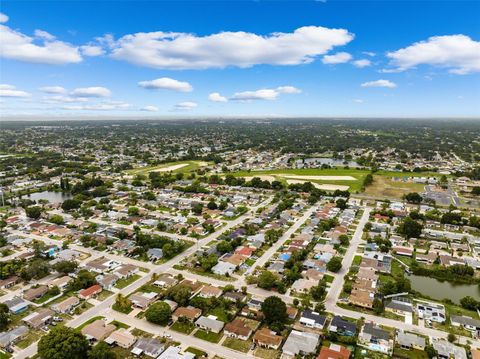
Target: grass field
[
  {"x": 384, "y": 187},
  {"x": 237, "y": 344},
  {"x": 185, "y": 328},
  {"x": 189, "y": 166}
]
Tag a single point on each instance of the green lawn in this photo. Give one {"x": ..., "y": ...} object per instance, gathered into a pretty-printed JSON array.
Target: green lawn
[
  {"x": 121, "y": 310},
  {"x": 122, "y": 283},
  {"x": 198, "y": 353},
  {"x": 140, "y": 333},
  {"x": 104, "y": 294},
  {"x": 191, "y": 166},
  {"x": 267, "y": 353},
  {"x": 409, "y": 354},
  {"x": 4, "y": 355},
  {"x": 185, "y": 327},
  {"x": 120, "y": 325},
  {"x": 31, "y": 337},
  {"x": 220, "y": 313},
  {"x": 237, "y": 344},
  {"x": 208, "y": 336}
]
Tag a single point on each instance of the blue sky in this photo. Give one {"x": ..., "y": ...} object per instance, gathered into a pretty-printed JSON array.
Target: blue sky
[{"x": 201, "y": 58}]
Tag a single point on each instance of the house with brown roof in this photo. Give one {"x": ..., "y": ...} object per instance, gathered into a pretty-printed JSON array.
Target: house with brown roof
[
  {"x": 122, "y": 337},
  {"x": 126, "y": 270},
  {"x": 209, "y": 291},
  {"x": 90, "y": 292},
  {"x": 143, "y": 300},
  {"x": 235, "y": 259},
  {"x": 194, "y": 286},
  {"x": 361, "y": 298},
  {"x": 190, "y": 313},
  {"x": 267, "y": 339},
  {"x": 238, "y": 329},
  {"x": 165, "y": 281},
  {"x": 61, "y": 282},
  {"x": 9, "y": 282},
  {"x": 35, "y": 293},
  {"x": 38, "y": 319},
  {"x": 98, "y": 330}
]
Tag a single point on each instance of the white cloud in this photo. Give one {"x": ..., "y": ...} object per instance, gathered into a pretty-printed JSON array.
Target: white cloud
[
  {"x": 338, "y": 58},
  {"x": 11, "y": 91},
  {"x": 63, "y": 99},
  {"x": 459, "y": 53},
  {"x": 185, "y": 106},
  {"x": 149, "y": 108},
  {"x": 362, "y": 63},
  {"x": 170, "y": 50},
  {"x": 167, "y": 83},
  {"x": 216, "y": 97},
  {"x": 103, "y": 106},
  {"x": 264, "y": 94},
  {"x": 379, "y": 83},
  {"x": 3, "y": 18},
  {"x": 357, "y": 100},
  {"x": 17, "y": 46},
  {"x": 91, "y": 50},
  {"x": 53, "y": 89},
  {"x": 92, "y": 92},
  {"x": 369, "y": 53}
]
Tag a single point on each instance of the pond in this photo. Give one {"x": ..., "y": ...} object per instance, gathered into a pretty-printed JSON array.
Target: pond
[
  {"x": 438, "y": 290},
  {"x": 50, "y": 196}
]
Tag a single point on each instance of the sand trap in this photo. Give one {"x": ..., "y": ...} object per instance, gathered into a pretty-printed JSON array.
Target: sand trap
[
  {"x": 171, "y": 168},
  {"x": 325, "y": 187},
  {"x": 202, "y": 164},
  {"x": 321, "y": 178},
  {"x": 262, "y": 177}
]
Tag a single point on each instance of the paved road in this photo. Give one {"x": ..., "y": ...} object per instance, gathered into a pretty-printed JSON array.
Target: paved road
[{"x": 104, "y": 306}]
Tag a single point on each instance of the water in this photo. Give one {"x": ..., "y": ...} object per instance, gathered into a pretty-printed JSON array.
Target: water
[
  {"x": 438, "y": 290},
  {"x": 50, "y": 196},
  {"x": 330, "y": 161}
]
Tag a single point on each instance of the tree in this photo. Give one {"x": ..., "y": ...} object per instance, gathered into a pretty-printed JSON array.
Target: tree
[
  {"x": 212, "y": 205},
  {"x": 470, "y": 303},
  {"x": 4, "y": 317},
  {"x": 83, "y": 280},
  {"x": 102, "y": 351},
  {"x": 159, "y": 313},
  {"x": 133, "y": 211},
  {"x": 63, "y": 343},
  {"x": 475, "y": 191},
  {"x": 33, "y": 212},
  {"x": 410, "y": 228},
  {"x": 335, "y": 264},
  {"x": 38, "y": 268},
  {"x": 65, "y": 267},
  {"x": 377, "y": 306},
  {"x": 56, "y": 219},
  {"x": 197, "y": 208},
  {"x": 70, "y": 204},
  {"x": 122, "y": 303},
  {"x": 341, "y": 203},
  {"x": 431, "y": 352},
  {"x": 208, "y": 262},
  {"x": 274, "y": 310},
  {"x": 451, "y": 337},
  {"x": 180, "y": 294},
  {"x": 413, "y": 197},
  {"x": 266, "y": 280}
]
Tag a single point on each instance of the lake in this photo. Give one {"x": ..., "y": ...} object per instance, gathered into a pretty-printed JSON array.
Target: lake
[
  {"x": 50, "y": 196},
  {"x": 436, "y": 289}
]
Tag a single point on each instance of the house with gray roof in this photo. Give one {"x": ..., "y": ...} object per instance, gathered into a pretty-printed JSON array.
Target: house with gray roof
[
  {"x": 210, "y": 323},
  {"x": 375, "y": 338},
  {"x": 300, "y": 343},
  {"x": 10, "y": 337},
  {"x": 447, "y": 350},
  {"x": 148, "y": 346}
]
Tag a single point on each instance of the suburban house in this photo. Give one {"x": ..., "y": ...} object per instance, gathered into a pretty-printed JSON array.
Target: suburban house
[
  {"x": 148, "y": 346},
  {"x": 190, "y": 313},
  {"x": 173, "y": 352},
  {"x": 143, "y": 300},
  {"x": 400, "y": 305},
  {"x": 98, "y": 330},
  {"x": 38, "y": 319},
  {"x": 16, "y": 305},
  {"x": 9, "y": 282},
  {"x": 431, "y": 311},
  {"x": 468, "y": 323},
  {"x": 312, "y": 319},
  {"x": 334, "y": 351},
  {"x": 410, "y": 341},
  {"x": 107, "y": 281},
  {"x": 126, "y": 270},
  {"x": 35, "y": 293},
  {"x": 61, "y": 282},
  {"x": 66, "y": 306},
  {"x": 300, "y": 343},
  {"x": 375, "y": 338},
  {"x": 12, "y": 336},
  {"x": 165, "y": 281},
  {"x": 210, "y": 324},
  {"x": 238, "y": 329},
  {"x": 267, "y": 339},
  {"x": 223, "y": 268},
  {"x": 90, "y": 292},
  {"x": 447, "y": 350},
  {"x": 342, "y": 327},
  {"x": 209, "y": 291},
  {"x": 122, "y": 337},
  {"x": 154, "y": 254}
]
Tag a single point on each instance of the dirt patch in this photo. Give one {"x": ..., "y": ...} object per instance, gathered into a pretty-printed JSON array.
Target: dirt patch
[
  {"x": 320, "y": 178},
  {"x": 171, "y": 168},
  {"x": 325, "y": 187}
]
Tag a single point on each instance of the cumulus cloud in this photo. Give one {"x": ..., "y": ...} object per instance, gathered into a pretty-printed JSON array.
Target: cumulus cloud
[
  {"x": 149, "y": 108},
  {"x": 42, "y": 48},
  {"x": 357, "y": 100},
  {"x": 459, "y": 53},
  {"x": 216, "y": 97},
  {"x": 63, "y": 99},
  {"x": 103, "y": 106},
  {"x": 91, "y": 50},
  {"x": 92, "y": 92},
  {"x": 362, "y": 63},
  {"x": 166, "y": 83},
  {"x": 338, "y": 58},
  {"x": 185, "y": 106},
  {"x": 264, "y": 94},
  {"x": 53, "y": 89},
  {"x": 379, "y": 83},
  {"x": 369, "y": 53},
  {"x": 3, "y": 18},
  {"x": 170, "y": 50},
  {"x": 11, "y": 91}
]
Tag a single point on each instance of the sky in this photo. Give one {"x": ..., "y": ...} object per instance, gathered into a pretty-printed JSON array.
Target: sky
[{"x": 240, "y": 58}]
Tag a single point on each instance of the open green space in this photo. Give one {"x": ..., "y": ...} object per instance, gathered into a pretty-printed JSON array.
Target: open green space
[
  {"x": 122, "y": 283},
  {"x": 190, "y": 166}
]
